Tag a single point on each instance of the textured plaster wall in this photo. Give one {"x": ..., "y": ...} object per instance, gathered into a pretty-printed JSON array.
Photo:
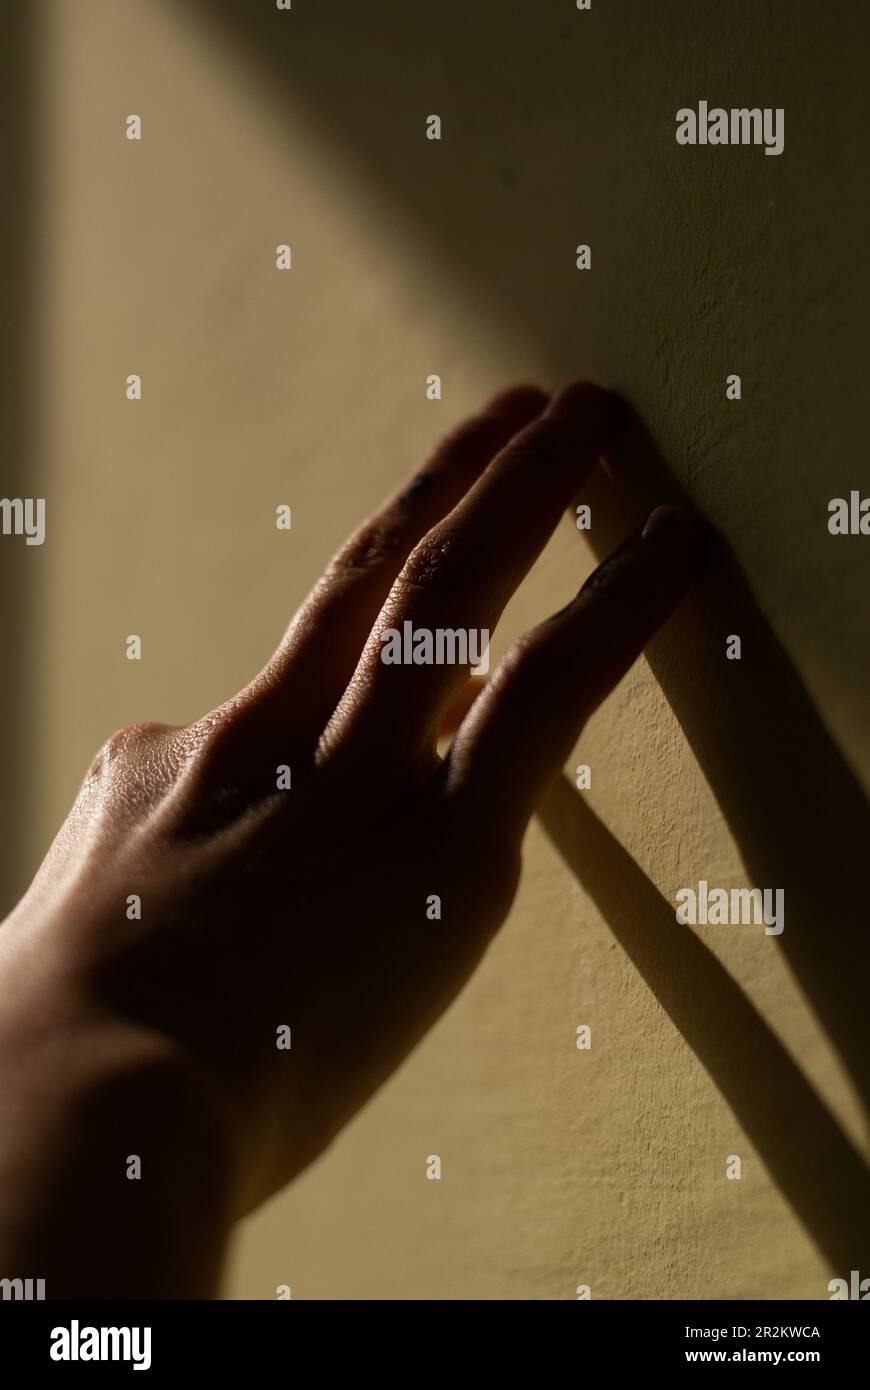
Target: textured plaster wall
[{"x": 560, "y": 1167}]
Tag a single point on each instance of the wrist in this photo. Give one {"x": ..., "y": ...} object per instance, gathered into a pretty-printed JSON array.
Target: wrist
[{"x": 121, "y": 1157}]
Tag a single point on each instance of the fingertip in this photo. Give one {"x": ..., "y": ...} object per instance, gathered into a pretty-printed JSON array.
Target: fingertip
[
  {"x": 669, "y": 523},
  {"x": 677, "y": 530},
  {"x": 587, "y": 406},
  {"x": 652, "y": 568}
]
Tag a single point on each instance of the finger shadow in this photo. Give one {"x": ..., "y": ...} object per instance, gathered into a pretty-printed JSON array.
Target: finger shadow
[
  {"x": 814, "y": 1164},
  {"x": 798, "y": 814}
]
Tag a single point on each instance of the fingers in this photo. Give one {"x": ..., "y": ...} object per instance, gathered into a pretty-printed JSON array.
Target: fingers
[
  {"x": 461, "y": 575},
  {"x": 524, "y": 725},
  {"x": 305, "y": 679}
]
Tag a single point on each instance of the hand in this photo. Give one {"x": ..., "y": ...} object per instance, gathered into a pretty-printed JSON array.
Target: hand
[{"x": 315, "y": 908}]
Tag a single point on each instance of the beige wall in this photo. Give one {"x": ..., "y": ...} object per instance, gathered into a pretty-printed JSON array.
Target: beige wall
[{"x": 560, "y": 1167}]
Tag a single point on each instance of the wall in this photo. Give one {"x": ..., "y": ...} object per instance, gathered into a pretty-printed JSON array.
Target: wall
[{"x": 561, "y": 1167}]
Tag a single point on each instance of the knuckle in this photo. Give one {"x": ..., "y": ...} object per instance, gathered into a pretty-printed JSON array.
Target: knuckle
[
  {"x": 132, "y": 738},
  {"x": 436, "y": 562},
  {"x": 526, "y": 664},
  {"x": 517, "y": 659},
  {"x": 374, "y": 544}
]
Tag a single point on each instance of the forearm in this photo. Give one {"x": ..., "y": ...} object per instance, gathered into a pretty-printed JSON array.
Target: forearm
[{"x": 116, "y": 1171}]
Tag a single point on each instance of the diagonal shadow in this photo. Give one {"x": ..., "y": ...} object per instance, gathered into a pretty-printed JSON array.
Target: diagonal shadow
[
  {"x": 815, "y": 1166},
  {"x": 797, "y": 813}
]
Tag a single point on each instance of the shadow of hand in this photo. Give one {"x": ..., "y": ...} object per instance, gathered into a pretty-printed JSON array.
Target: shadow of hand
[{"x": 801, "y": 821}]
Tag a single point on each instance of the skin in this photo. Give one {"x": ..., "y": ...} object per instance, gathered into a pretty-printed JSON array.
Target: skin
[{"x": 303, "y": 907}]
